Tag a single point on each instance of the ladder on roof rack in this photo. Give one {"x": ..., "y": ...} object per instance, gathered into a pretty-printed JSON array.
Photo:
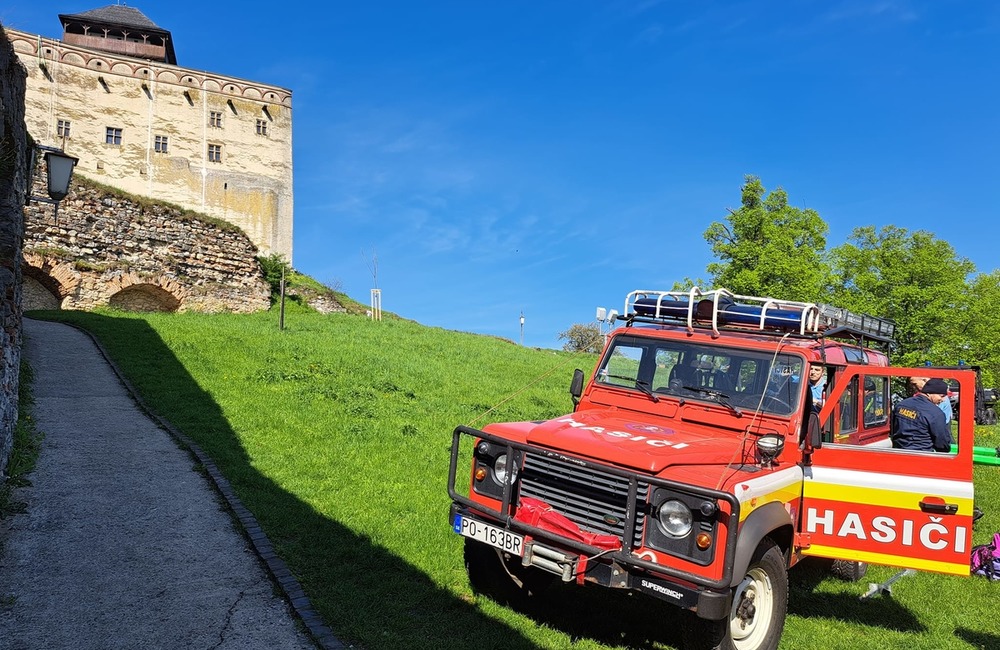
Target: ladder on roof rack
[{"x": 723, "y": 307}]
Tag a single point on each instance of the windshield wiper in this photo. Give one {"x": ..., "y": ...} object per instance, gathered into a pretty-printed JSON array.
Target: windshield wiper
[
  {"x": 717, "y": 396},
  {"x": 640, "y": 384},
  {"x": 644, "y": 387}
]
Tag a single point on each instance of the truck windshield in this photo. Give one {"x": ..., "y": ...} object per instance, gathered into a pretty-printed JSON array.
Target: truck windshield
[{"x": 745, "y": 379}]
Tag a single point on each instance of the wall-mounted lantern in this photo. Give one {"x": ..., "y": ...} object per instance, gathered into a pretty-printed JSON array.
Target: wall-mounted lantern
[{"x": 59, "y": 170}]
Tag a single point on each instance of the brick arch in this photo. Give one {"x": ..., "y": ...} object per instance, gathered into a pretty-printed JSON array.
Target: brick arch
[
  {"x": 131, "y": 292},
  {"x": 56, "y": 276}
]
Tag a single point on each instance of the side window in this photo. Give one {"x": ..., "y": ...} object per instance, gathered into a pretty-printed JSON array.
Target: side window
[
  {"x": 622, "y": 367},
  {"x": 848, "y": 411},
  {"x": 665, "y": 362},
  {"x": 876, "y": 412}
]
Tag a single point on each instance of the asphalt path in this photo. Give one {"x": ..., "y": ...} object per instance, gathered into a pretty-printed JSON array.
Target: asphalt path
[{"x": 124, "y": 544}]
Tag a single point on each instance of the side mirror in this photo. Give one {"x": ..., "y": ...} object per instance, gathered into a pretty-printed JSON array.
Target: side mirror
[
  {"x": 576, "y": 387},
  {"x": 812, "y": 438}
]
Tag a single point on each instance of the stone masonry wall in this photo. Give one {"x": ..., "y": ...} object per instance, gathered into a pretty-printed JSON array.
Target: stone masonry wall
[
  {"x": 13, "y": 172},
  {"x": 106, "y": 248}
]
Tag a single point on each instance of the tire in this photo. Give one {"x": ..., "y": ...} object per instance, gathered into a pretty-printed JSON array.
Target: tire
[
  {"x": 849, "y": 570},
  {"x": 760, "y": 604},
  {"x": 504, "y": 580}
]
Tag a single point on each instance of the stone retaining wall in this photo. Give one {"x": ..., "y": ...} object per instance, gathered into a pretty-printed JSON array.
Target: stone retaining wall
[
  {"x": 13, "y": 171},
  {"x": 106, "y": 248}
]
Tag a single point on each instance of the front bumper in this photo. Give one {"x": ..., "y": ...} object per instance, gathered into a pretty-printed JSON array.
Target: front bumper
[{"x": 610, "y": 570}]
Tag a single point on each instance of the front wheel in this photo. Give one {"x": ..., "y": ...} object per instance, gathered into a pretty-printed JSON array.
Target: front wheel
[
  {"x": 760, "y": 603},
  {"x": 500, "y": 578}
]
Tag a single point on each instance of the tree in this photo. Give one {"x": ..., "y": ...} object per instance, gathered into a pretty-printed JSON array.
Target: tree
[
  {"x": 274, "y": 267},
  {"x": 768, "y": 248},
  {"x": 913, "y": 278},
  {"x": 971, "y": 335},
  {"x": 583, "y": 337}
]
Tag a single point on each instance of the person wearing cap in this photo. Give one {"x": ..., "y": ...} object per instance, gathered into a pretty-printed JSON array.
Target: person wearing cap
[
  {"x": 918, "y": 422},
  {"x": 916, "y": 383}
]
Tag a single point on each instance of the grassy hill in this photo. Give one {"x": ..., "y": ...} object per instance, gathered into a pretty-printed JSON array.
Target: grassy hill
[{"x": 336, "y": 433}]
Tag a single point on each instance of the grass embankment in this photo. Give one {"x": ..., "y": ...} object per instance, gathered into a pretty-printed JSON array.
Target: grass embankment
[
  {"x": 336, "y": 434},
  {"x": 26, "y": 446}
]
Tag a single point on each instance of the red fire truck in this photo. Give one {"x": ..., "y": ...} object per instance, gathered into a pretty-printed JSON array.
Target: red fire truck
[{"x": 697, "y": 467}]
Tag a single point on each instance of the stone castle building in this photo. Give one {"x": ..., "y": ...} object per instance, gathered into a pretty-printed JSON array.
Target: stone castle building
[{"x": 111, "y": 94}]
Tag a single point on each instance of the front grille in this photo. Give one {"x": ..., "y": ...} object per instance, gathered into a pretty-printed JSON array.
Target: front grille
[{"x": 594, "y": 500}]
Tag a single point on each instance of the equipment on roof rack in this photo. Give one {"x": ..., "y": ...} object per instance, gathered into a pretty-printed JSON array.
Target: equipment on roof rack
[{"x": 722, "y": 308}]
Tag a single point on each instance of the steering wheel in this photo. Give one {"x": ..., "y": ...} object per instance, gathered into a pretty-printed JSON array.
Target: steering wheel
[{"x": 785, "y": 407}]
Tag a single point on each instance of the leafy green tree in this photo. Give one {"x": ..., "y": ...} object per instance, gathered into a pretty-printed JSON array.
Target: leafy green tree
[
  {"x": 971, "y": 335},
  {"x": 769, "y": 248},
  {"x": 913, "y": 278},
  {"x": 583, "y": 337}
]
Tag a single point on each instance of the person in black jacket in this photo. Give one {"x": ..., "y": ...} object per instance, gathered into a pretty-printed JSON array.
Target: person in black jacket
[{"x": 918, "y": 423}]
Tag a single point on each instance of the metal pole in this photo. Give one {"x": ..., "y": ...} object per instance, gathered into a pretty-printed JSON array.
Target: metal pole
[{"x": 281, "y": 310}]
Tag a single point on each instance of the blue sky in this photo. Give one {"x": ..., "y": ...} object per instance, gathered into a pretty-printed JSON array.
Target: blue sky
[{"x": 550, "y": 157}]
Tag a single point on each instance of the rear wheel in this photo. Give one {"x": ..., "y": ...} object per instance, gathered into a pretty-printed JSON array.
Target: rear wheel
[
  {"x": 760, "y": 603},
  {"x": 849, "y": 570}
]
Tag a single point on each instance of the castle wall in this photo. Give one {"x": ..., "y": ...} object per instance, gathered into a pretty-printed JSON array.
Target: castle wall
[
  {"x": 195, "y": 113},
  {"x": 102, "y": 248},
  {"x": 13, "y": 173}
]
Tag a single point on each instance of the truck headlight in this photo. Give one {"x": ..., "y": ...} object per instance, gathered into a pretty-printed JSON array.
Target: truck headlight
[
  {"x": 500, "y": 469},
  {"x": 675, "y": 518}
]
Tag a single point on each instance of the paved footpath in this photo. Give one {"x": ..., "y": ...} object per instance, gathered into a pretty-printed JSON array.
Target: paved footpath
[{"x": 124, "y": 544}]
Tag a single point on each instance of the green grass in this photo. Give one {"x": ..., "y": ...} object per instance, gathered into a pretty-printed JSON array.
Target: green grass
[
  {"x": 336, "y": 433},
  {"x": 26, "y": 446}
]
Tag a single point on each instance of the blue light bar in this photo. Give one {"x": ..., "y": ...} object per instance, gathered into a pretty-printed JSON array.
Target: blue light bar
[
  {"x": 720, "y": 307},
  {"x": 729, "y": 312}
]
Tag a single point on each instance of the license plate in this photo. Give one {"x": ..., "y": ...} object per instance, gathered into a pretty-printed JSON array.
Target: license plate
[{"x": 489, "y": 534}]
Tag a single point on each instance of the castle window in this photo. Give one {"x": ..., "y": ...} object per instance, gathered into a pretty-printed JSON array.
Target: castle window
[
  {"x": 160, "y": 144},
  {"x": 215, "y": 153},
  {"x": 113, "y": 136},
  {"x": 215, "y": 119},
  {"x": 262, "y": 127},
  {"x": 62, "y": 128}
]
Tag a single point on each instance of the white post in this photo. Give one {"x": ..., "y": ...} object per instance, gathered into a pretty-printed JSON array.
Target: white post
[{"x": 376, "y": 310}]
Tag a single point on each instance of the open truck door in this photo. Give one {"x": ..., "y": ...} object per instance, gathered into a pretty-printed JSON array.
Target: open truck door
[{"x": 871, "y": 503}]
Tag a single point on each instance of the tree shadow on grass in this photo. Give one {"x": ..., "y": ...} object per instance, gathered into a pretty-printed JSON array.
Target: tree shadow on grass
[
  {"x": 612, "y": 617},
  {"x": 978, "y": 639},
  {"x": 878, "y": 611},
  {"x": 356, "y": 583}
]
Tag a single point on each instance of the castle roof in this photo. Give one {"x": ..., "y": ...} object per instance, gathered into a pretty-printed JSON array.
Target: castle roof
[
  {"x": 122, "y": 21},
  {"x": 118, "y": 15}
]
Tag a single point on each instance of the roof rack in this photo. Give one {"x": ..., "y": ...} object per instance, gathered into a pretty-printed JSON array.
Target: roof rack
[{"x": 722, "y": 308}]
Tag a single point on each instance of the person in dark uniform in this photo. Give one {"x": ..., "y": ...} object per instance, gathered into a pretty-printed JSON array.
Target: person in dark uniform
[{"x": 918, "y": 423}]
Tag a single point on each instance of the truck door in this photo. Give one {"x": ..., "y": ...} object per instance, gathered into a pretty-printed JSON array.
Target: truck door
[{"x": 896, "y": 507}]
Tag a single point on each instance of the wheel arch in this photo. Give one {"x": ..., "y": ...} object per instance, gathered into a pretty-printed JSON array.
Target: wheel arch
[{"x": 770, "y": 520}]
